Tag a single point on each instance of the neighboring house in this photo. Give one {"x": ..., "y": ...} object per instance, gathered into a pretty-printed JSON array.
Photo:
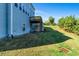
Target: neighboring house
[
  {"x": 14, "y": 18},
  {"x": 36, "y": 24}
]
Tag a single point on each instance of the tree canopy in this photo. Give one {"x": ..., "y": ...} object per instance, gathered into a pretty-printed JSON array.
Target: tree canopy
[
  {"x": 69, "y": 23},
  {"x": 50, "y": 21}
]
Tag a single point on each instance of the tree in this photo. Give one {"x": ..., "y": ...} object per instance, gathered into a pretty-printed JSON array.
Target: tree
[
  {"x": 61, "y": 22},
  {"x": 76, "y": 27},
  {"x": 69, "y": 23},
  {"x": 51, "y": 20}
]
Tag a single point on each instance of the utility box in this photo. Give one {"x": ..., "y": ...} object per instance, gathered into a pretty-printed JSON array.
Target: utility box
[{"x": 36, "y": 24}]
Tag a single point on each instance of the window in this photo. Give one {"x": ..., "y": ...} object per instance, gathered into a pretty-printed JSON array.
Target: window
[
  {"x": 20, "y": 7},
  {"x": 23, "y": 27},
  {"x": 26, "y": 12},
  {"x": 23, "y": 9},
  {"x": 16, "y": 4}
]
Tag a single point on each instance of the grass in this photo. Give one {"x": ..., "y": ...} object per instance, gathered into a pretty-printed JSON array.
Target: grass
[{"x": 53, "y": 42}]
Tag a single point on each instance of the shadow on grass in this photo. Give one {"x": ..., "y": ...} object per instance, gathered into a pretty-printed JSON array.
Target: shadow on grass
[{"x": 50, "y": 36}]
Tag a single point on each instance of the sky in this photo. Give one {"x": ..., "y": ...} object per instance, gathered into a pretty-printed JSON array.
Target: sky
[{"x": 56, "y": 10}]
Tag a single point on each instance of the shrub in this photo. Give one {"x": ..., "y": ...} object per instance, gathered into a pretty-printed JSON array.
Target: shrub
[
  {"x": 61, "y": 22},
  {"x": 69, "y": 23}
]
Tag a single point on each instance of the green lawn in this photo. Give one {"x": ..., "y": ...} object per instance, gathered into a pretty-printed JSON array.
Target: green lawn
[{"x": 53, "y": 42}]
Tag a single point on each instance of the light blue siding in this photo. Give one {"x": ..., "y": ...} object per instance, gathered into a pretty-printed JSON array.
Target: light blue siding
[
  {"x": 2, "y": 20},
  {"x": 9, "y": 19},
  {"x": 20, "y": 18},
  {"x": 12, "y": 19}
]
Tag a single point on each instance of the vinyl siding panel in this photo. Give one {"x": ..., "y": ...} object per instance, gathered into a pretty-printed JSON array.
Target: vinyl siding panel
[{"x": 2, "y": 20}]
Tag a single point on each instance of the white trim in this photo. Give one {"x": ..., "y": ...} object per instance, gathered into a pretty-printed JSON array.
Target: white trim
[{"x": 11, "y": 19}]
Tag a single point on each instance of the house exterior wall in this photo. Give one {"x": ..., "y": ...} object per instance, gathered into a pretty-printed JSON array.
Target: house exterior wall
[
  {"x": 8, "y": 25},
  {"x": 13, "y": 19},
  {"x": 20, "y": 18},
  {"x": 2, "y": 20}
]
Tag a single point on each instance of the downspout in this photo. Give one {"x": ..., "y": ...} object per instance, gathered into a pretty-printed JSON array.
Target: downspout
[{"x": 11, "y": 20}]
